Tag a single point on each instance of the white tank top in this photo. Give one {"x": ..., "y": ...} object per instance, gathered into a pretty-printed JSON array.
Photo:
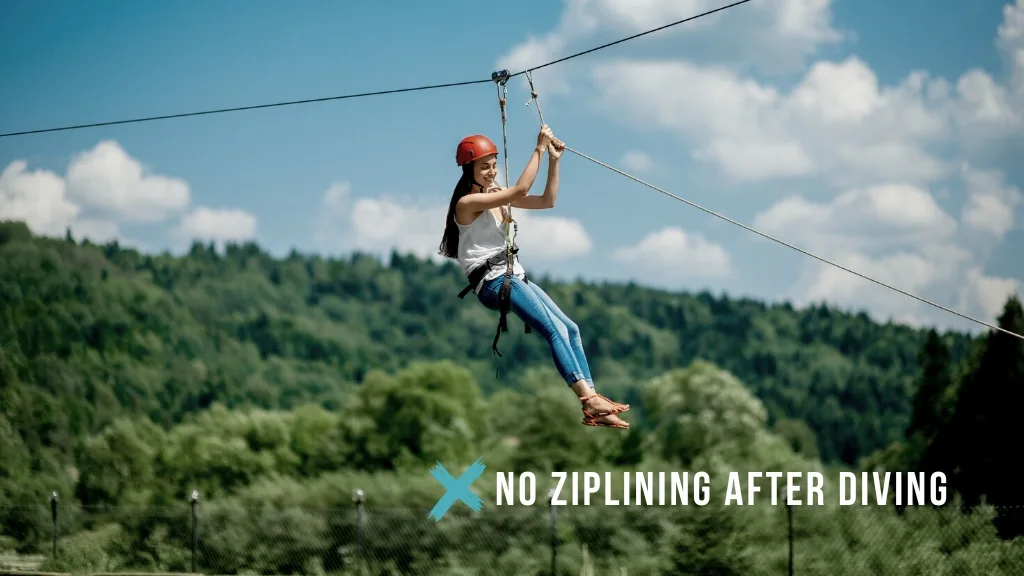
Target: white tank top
[{"x": 480, "y": 240}]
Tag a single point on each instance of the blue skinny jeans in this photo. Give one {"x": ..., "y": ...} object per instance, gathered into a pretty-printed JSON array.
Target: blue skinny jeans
[{"x": 531, "y": 304}]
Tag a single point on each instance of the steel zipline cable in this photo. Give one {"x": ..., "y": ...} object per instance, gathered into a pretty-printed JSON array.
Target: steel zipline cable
[
  {"x": 243, "y": 108},
  {"x": 360, "y": 94}
]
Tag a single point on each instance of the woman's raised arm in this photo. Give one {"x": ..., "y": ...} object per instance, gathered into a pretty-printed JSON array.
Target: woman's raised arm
[
  {"x": 546, "y": 200},
  {"x": 480, "y": 202}
]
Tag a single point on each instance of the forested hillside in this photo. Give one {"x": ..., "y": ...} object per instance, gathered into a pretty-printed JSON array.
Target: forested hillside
[
  {"x": 91, "y": 333},
  {"x": 128, "y": 380},
  {"x": 113, "y": 331}
]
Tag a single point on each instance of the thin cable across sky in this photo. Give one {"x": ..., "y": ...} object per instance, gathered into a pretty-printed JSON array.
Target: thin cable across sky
[{"x": 358, "y": 94}]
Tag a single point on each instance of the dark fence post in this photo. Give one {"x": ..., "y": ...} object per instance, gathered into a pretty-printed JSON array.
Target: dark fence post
[
  {"x": 554, "y": 531},
  {"x": 789, "y": 514},
  {"x": 359, "y": 497},
  {"x": 54, "y": 498},
  {"x": 194, "y": 499}
]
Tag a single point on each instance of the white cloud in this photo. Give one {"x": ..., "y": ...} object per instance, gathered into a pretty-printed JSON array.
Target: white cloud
[
  {"x": 382, "y": 224},
  {"x": 217, "y": 224},
  {"x": 638, "y": 15},
  {"x": 907, "y": 271},
  {"x": 881, "y": 145},
  {"x": 990, "y": 202},
  {"x": 676, "y": 255},
  {"x": 637, "y": 161},
  {"x": 877, "y": 216},
  {"x": 987, "y": 110},
  {"x": 577, "y": 22},
  {"x": 984, "y": 105},
  {"x": 899, "y": 236},
  {"x": 778, "y": 35},
  {"x": 550, "y": 238},
  {"x": 837, "y": 123},
  {"x": 328, "y": 233},
  {"x": 108, "y": 179},
  {"x": 103, "y": 188},
  {"x": 99, "y": 232},
  {"x": 1010, "y": 40},
  {"x": 1010, "y": 34},
  {"x": 336, "y": 197},
  {"x": 37, "y": 197},
  {"x": 986, "y": 294}
]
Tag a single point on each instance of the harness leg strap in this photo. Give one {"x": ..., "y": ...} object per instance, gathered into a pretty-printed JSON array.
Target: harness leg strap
[
  {"x": 526, "y": 324},
  {"x": 504, "y": 298},
  {"x": 504, "y": 304}
]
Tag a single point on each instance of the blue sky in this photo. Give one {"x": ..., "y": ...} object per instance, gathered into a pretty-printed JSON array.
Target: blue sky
[{"x": 878, "y": 134}]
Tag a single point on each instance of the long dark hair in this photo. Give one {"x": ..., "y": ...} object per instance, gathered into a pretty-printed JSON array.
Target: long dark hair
[{"x": 450, "y": 241}]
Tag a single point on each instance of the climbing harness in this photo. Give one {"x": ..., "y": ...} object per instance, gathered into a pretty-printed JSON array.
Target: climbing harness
[
  {"x": 504, "y": 295},
  {"x": 508, "y": 259}
]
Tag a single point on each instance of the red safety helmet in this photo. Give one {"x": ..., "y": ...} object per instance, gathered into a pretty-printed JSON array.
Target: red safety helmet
[{"x": 473, "y": 148}]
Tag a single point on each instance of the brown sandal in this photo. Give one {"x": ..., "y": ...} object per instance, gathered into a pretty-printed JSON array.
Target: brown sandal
[
  {"x": 616, "y": 407},
  {"x": 602, "y": 424}
]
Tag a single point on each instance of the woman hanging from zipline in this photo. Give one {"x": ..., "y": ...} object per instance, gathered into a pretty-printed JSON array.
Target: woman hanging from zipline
[{"x": 473, "y": 235}]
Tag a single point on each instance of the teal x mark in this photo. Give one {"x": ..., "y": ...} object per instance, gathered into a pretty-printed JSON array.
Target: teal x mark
[{"x": 456, "y": 489}]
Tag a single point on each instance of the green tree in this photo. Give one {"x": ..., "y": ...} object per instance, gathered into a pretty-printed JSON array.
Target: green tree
[
  {"x": 219, "y": 451},
  {"x": 987, "y": 421},
  {"x": 799, "y": 436},
  {"x": 425, "y": 413},
  {"x": 701, "y": 409},
  {"x": 543, "y": 426},
  {"x": 930, "y": 436},
  {"x": 118, "y": 461},
  {"x": 318, "y": 440},
  {"x": 98, "y": 332},
  {"x": 928, "y": 415}
]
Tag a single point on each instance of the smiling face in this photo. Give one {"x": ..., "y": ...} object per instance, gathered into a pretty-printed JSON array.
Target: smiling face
[{"x": 485, "y": 170}]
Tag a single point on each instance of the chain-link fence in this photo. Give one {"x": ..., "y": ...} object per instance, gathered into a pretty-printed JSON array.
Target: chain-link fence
[{"x": 226, "y": 538}]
